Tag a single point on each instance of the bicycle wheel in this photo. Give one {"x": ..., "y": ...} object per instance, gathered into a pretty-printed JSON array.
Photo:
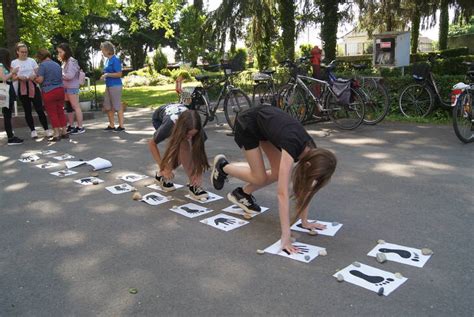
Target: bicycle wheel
[
  {"x": 346, "y": 116},
  {"x": 235, "y": 101},
  {"x": 200, "y": 104},
  {"x": 296, "y": 104},
  {"x": 462, "y": 118},
  {"x": 377, "y": 104},
  {"x": 262, "y": 94},
  {"x": 282, "y": 96},
  {"x": 416, "y": 101}
]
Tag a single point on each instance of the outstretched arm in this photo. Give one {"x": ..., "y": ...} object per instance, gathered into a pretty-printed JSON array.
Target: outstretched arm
[{"x": 284, "y": 177}]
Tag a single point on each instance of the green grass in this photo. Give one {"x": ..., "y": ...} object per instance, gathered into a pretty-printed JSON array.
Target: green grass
[{"x": 147, "y": 96}]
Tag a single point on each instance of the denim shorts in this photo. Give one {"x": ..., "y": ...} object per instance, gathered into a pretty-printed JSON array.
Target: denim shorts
[{"x": 71, "y": 91}]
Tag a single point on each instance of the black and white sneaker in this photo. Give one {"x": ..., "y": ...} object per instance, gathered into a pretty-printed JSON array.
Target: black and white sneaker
[
  {"x": 119, "y": 129},
  {"x": 197, "y": 192},
  {"x": 218, "y": 176},
  {"x": 167, "y": 186},
  {"x": 70, "y": 129},
  {"x": 78, "y": 130},
  {"x": 109, "y": 128},
  {"x": 245, "y": 201},
  {"x": 15, "y": 141}
]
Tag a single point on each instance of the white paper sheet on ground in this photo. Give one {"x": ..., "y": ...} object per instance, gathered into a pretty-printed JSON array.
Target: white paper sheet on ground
[
  {"x": 158, "y": 187},
  {"x": 191, "y": 210},
  {"x": 64, "y": 157},
  {"x": 155, "y": 199},
  {"x": 132, "y": 177},
  {"x": 88, "y": 180},
  {"x": 119, "y": 189},
  {"x": 371, "y": 278},
  {"x": 48, "y": 152},
  {"x": 99, "y": 163},
  {"x": 236, "y": 210},
  {"x": 72, "y": 164},
  {"x": 212, "y": 197},
  {"x": 29, "y": 158},
  {"x": 330, "y": 230},
  {"x": 400, "y": 254},
  {"x": 47, "y": 165},
  {"x": 306, "y": 254},
  {"x": 224, "y": 222},
  {"x": 63, "y": 173}
]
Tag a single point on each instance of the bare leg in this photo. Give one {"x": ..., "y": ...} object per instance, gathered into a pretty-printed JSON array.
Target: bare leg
[
  {"x": 110, "y": 115},
  {"x": 74, "y": 100},
  {"x": 255, "y": 173},
  {"x": 120, "y": 117},
  {"x": 155, "y": 152},
  {"x": 273, "y": 156},
  {"x": 70, "y": 115}
]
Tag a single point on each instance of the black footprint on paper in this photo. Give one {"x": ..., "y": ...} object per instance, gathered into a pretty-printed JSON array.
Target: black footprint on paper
[
  {"x": 191, "y": 211},
  {"x": 301, "y": 226},
  {"x": 402, "y": 253},
  {"x": 377, "y": 280},
  {"x": 86, "y": 180}
]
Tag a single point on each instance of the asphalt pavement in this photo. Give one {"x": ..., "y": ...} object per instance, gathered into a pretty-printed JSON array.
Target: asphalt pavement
[{"x": 72, "y": 250}]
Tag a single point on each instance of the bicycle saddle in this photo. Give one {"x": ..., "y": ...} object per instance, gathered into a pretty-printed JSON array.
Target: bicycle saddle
[
  {"x": 268, "y": 71},
  {"x": 359, "y": 66},
  {"x": 201, "y": 77}
]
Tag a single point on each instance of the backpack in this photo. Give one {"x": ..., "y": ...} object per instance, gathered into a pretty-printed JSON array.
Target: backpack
[
  {"x": 342, "y": 89},
  {"x": 82, "y": 77}
]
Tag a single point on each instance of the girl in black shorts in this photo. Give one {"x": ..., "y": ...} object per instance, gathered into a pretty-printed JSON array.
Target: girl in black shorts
[
  {"x": 185, "y": 147},
  {"x": 284, "y": 141}
]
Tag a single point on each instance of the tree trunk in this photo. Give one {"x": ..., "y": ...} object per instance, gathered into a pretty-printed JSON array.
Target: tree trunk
[
  {"x": 329, "y": 24},
  {"x": 443, "y": 25},
  {"x": 10, "y": 18},
  {"x": 233, "y": 39},
  {"x": 415, "y": 30},
  {"x": 198, "y": 5},
  {"x": 287, "y": 20}
]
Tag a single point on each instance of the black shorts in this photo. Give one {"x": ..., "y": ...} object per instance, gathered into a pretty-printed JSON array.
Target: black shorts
[
  {"x": 246, "y": 130},
  {"x": 68, "y": 107}
]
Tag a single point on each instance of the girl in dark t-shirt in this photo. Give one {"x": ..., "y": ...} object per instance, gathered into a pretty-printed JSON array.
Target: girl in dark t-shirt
[
  {"x": 284, "y": 141},
  {"x": 185, "y": 147}
]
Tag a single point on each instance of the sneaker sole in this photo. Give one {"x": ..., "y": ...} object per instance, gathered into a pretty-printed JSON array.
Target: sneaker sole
[
  {"x": 15, "y": 143},
  {"x": 200, "y": 197},
  {"x": 217, "y": 158},
  {"x": 242, "y": 206}
]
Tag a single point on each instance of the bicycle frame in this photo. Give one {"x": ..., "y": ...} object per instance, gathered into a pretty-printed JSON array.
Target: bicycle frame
[
  {"x": 225, "y": 88},
  {"x": 327, "y": 87},
  {"x": 432, "y": 84}
]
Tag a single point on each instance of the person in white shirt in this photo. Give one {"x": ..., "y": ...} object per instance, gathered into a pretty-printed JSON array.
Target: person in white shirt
[{"x": 27, "y": 90}]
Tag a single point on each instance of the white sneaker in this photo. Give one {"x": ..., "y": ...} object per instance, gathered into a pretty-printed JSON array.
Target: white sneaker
[
  {"x": 34, "y": 134},
  {"x": 49, "y": 133}
]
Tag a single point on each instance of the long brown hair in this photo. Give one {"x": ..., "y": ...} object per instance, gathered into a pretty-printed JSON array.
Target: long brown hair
[
  {"x": 313, "y": 172},
  {"x": 186, "y": 122},
  {"x": 67, "y": 51}
]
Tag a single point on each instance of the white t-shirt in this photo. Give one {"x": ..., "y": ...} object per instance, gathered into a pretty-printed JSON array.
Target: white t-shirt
[{"x": 26, "y": 69}]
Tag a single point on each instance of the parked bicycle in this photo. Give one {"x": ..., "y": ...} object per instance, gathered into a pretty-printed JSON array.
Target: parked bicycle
[
  {"x": 264, "y": 90},
  {"x": 233, "y": 98},
  {"x": 377, "y": 103},
  {"x": 419, "y": 99},
  {"x": 463, "y": 115},
  {"x": 339, "y": 100}
]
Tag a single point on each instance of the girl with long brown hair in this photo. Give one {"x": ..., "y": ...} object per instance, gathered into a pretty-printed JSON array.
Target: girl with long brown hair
[
  {"x": 185, "y": 147},
  {"x": 284, "y": 141}
]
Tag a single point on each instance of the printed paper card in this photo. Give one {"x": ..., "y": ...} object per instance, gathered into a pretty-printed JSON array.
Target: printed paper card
[
  {"x": 306, "y": 252},
  {"x": 63, "y": 173},
  {"x": 88, "y": 181},
  {"x": 64, "y": 157},
  {"x": 371, "y": 278},
  {"x": 119, "y": 189},
  {"x": 224, "y": 222},
  {"x": 29, "y": 158},
  {"x": 331, "y": 227},
  {"x": 132, "y": 177},
  {"x": 191, "y": 210},
  {"x": 48, "y": 152},
  {"x": 212, "y": 197},
  {"x": 155, "y": 199},
  {"x": 158, "y": 187},
  {"x": 400, "y": 254},
  {"x": 236, "y": 210},
  {"x": 47, "y": 165}
]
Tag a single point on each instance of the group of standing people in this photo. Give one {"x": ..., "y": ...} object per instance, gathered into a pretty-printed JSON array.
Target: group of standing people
[{"x": 55, "y": 87}]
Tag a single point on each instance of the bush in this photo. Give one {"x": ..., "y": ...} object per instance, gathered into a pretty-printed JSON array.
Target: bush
[
  {"x": 160, "y": 61},
  {"x": 175, "y": 73},
  {"x": 239, "y": 59},
  {"x": 135, "y": 81},
  {"x": 165, "y": 72}
]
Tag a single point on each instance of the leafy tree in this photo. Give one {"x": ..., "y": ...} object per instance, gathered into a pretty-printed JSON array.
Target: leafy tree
[
  {"x": 191, "y": 39},
  {"x": 287, "y": 9},
  {"x": 160, "y": 61}
]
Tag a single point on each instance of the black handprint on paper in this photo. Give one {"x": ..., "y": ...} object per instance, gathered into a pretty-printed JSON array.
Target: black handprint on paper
[
  {"x": 224, "y": 221},
  {"x": 86, "y": 180},
  {"x": 300, "y": 249},
  {"x": 120, "y": 188},
  {"x": 154, "y": 198},
  {"x": 192, "y": 211},
  {"x": 131, "y": 177}
]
